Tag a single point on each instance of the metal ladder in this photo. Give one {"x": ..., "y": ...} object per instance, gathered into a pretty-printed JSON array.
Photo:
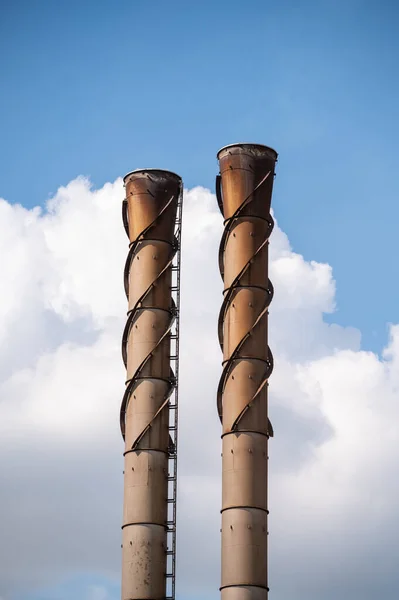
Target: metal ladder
[{"x": 173, "y": 418}]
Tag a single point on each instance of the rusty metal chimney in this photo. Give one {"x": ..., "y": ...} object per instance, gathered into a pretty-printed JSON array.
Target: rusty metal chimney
[
  {"x": 150, "y": 348},
  {"x": 244, "y": 190}
]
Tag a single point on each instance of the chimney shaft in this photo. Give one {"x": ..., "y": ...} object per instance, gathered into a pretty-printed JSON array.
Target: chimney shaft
[
  {"x": 244, "y": 190},
  {"x": 151, "y": 216}
]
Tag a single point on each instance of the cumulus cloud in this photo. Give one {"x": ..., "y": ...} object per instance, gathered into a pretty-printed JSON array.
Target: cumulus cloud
[
  {"x": 97, "y": 592},
  {"x": 333, "y": 493}
]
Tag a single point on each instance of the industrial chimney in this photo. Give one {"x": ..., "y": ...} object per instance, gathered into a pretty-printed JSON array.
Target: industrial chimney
[
  {"x": 150, "y": 349},
  {"x": 244, "y": 190}
]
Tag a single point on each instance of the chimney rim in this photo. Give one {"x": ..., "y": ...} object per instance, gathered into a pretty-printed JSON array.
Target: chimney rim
[
  {"x": 247, "y": 144},
  {"x": 153, "y": 170}
]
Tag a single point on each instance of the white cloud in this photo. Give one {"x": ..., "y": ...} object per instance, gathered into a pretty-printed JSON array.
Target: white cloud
[
  {"x": 97, "y": 592},
  {"x": 333, "y": 491}
]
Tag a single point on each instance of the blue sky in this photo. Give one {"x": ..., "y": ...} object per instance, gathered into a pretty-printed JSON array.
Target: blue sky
[{"x": 99, "y": 88}]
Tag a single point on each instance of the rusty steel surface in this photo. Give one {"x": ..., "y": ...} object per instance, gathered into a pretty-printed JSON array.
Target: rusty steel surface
[
  {"x": 244, "y": 191},
  {"x": 150, "y": 211}
]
